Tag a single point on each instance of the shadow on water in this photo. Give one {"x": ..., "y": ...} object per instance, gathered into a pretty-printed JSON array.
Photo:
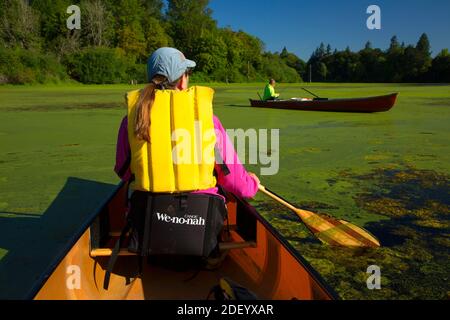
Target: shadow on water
[
  {"x": 415, "y": 238},
  {"x": 411, "y": 198},
  {"x": 33, "y": 240}
]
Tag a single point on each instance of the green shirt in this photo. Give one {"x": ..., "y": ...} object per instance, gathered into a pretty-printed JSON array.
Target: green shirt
[{"x": 269, "y": 93}]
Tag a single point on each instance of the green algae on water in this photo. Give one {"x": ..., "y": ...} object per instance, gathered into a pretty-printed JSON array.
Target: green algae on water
[
  {"x": 359, "y": 167},
  {"x": 415, "y": 254}
]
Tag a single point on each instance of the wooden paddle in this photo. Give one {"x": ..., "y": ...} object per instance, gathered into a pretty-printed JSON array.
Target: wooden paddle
[{"x": 328, "y": 229}]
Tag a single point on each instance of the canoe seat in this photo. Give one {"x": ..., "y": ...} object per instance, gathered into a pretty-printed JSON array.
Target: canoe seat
[{"x": 224, "y": 246}]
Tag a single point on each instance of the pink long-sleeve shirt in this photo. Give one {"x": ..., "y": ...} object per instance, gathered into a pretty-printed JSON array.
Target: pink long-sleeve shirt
[{"x": 238, "y": 181}]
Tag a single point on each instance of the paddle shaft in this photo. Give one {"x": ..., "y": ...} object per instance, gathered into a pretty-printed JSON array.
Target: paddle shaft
[
  {"x": 301, "y": 213},
  {"x": 315, "y": 95}
]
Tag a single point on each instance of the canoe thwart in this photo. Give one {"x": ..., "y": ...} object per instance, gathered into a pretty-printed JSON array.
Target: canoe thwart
[
  {"x": 116, "y": 234},
  {"x": 236, "y": 245},
  {"x": 106, "y": 252}
]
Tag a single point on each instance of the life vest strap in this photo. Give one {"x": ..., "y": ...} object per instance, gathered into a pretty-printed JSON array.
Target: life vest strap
[
  {"x": 125, "y": 166},
  {"x": 114, "y": 255},
  {"x": 220, "y": 162}
]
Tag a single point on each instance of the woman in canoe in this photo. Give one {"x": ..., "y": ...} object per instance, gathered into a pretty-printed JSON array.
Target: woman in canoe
[{"x": 175, "y": 193}]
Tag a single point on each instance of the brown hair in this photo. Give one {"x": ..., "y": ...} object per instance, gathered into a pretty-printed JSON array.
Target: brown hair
[{"x": 145, "y": 103}]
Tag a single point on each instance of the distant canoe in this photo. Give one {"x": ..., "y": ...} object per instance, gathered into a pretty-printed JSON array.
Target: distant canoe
[{"x": 366, "y": 105}]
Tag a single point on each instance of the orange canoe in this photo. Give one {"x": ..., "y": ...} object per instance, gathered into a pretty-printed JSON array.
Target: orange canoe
[
  {"x": 363, "y": 105},
  {"x": 257, "y": 257}
]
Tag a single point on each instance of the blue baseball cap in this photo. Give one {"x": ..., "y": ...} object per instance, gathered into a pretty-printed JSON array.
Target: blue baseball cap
[{"x": 168, "y": 62}]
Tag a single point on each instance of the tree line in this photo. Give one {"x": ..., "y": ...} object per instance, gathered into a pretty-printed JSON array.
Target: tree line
[
  {"x": 399, "y": 63},
  {"x": 116, "y": 37}
]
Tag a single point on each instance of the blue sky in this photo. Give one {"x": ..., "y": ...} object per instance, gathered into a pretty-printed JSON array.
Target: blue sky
[{"x": 302, "y": 25}]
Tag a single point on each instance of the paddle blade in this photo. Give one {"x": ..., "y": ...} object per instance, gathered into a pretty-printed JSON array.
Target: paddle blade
[{"x": 339, "y": 232}]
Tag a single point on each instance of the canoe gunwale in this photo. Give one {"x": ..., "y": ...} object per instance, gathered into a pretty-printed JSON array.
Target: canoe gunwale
[{"x": 315, "y": 276}]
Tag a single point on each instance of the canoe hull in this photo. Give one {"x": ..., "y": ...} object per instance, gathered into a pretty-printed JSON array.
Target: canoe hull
[
  {"x": 271, "y": 267},
  {"x": 363, "y": 105}
]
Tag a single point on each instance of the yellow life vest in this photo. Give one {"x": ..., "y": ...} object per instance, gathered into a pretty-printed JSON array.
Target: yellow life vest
[{"x": 180, "y": 155}]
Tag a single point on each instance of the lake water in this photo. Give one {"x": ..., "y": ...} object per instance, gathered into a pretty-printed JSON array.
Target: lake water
[{"x": 388, "y": 172}]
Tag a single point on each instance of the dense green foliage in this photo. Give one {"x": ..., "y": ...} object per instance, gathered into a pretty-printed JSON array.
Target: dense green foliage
[
  {"x": 18, "y": 66},
  {"x": 121, "y": 34},
  {"x": 103, "y": 65}
]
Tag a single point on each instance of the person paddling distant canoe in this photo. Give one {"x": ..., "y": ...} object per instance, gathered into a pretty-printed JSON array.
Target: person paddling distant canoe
[
  {"x": 269, "y": 91},
  {"x": 171, "y": 186}
]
